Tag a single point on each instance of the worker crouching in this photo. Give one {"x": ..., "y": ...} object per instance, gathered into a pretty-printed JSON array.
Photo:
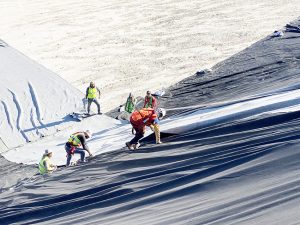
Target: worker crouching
[
  {"x": 139, "y": 120},
  {"x": 77, "y": 145}
]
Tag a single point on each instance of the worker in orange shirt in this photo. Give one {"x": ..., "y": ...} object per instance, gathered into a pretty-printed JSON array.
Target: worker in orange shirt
[{"x": 142, "y": 118}]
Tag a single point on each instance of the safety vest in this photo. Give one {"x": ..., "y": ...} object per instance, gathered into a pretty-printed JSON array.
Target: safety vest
[
  {"x": 42, "y": 168},
  {"x": 149, "y": 103},
  {"x": 74, "y": 140},
  {"x": 92, "y": 92},
  {"x": 129, "y": 107}
]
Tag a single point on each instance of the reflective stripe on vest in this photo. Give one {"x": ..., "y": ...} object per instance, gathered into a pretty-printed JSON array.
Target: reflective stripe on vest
[
  {"x": 92, "y": 92},
  {"x": 42, "y": 168},
  {"x": 74, "y": 140}
]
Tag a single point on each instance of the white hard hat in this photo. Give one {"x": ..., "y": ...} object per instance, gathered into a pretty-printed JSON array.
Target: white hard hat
[
  {"x": 88, "y": 133},
  {"x": 161, "y": 113}
]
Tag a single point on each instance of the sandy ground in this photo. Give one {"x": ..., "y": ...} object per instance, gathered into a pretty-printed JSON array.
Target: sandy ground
[{"x": 132, "y": 46}]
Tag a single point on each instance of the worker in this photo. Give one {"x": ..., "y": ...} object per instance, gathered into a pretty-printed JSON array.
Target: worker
[
  {"x": 77, "y": 144},
  {"x": 91, "y": 96},
  {"x": 150, "y": 101},
  {"x": 45, "y": 165},
  {"x": 142, "y": 118}
]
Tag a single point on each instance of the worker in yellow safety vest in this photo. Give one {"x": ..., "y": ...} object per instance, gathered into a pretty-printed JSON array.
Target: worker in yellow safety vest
[
  {"x": 77, "y": 144},
  {"x": 91, "y": 96},
  {"x": 45, "y": 165}
]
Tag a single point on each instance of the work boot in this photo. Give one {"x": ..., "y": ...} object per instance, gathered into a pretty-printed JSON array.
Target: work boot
[
  {"x": 136, "y": 146},
  {"x": 129, "y": 146}
]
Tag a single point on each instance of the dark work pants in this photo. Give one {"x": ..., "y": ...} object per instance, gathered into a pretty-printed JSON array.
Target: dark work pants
[
  {"x": 77, "y": 151},
  {"x": 138, "y": 136}
]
